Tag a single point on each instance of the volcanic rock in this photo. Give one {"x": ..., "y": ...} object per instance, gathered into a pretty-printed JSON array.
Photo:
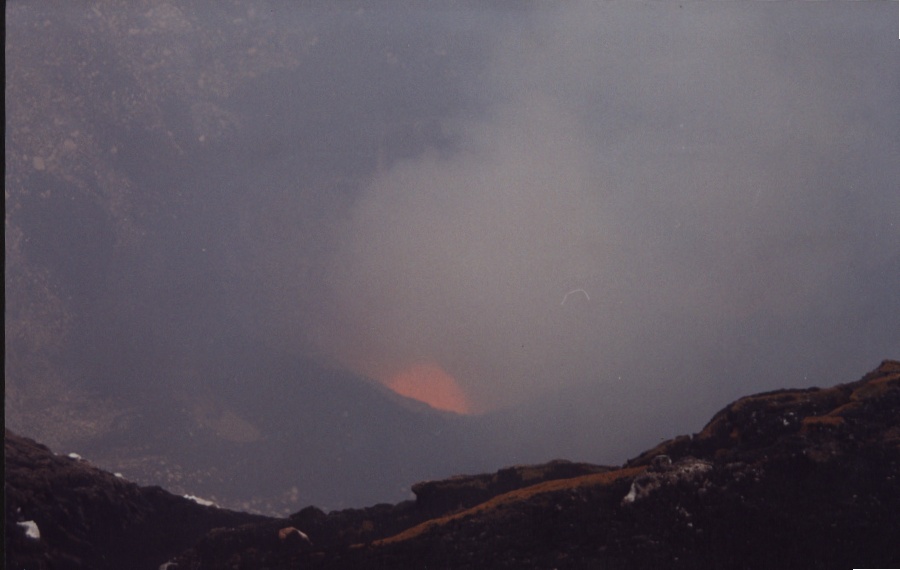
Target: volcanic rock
[
  {"x": 88, "y": 518},
  {"x": 786, "y": 479}
]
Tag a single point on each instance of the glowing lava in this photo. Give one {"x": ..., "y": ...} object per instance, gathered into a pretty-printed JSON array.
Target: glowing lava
[{"x": 429, "y": 384}]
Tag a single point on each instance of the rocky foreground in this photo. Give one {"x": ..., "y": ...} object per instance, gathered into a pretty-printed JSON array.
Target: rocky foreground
[{"x": 787, "y": 479}]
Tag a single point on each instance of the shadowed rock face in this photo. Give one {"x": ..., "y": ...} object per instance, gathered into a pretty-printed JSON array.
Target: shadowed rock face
[
  {"x": 462, "y": 492},
  {"x": 787, "y": 479},
  {"x": 88, "y": 518}
]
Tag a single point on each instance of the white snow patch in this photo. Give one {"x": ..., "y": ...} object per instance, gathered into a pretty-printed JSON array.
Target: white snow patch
[
  {"x": 74, "y": 456},
  {"x": 665, "y": 473},
  {"x": 632, "y": 494},
  {"x": 687, "y": 469},
  {"x": 119, "y": 475},
  {"x": 31, "y": 529},
  {"x": 289, "y": 531},
  {"x": 200, "y": 501}
]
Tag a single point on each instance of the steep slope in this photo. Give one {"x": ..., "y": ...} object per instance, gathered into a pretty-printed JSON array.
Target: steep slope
[
  {"x": 87, "y": 518},
  {"x": 62, "y": 512},
  {"x": 787, "y": 479},
  {"x": 169, "y": 169},
  {"x": 303, "y": 435}
]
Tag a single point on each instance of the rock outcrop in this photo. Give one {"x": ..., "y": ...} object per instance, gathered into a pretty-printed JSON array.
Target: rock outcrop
[
  {"x": 787, "y": 479},
  {"x": 61, "y": 512}
]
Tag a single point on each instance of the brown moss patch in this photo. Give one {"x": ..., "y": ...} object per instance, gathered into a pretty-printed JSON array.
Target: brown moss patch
[
  {"x": 813, "y": 422},
  {"x": 514, "y": 497},
  {"x": 774, "y": 399},
  {"x": 875, "y": 388},
  {"x": 843, "y": 409}
]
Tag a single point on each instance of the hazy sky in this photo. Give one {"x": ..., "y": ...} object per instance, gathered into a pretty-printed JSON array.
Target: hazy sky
[{"x": 682, "y": 202}]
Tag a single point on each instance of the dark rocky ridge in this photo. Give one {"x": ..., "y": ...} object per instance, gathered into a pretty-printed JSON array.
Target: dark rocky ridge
[
  {"x": 787, "y": 479},
  {"x": 88, "y": 518}
]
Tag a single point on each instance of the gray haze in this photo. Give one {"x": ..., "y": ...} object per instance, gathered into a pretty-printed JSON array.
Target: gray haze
[
  {"x": 721, "y": 180},
  {"x": 605, "y": 220}
]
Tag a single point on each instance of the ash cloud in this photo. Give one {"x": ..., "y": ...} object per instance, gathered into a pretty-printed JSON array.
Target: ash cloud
[
  {"x": 372, "y": 186},
  {"x": 720, "y": 179}
]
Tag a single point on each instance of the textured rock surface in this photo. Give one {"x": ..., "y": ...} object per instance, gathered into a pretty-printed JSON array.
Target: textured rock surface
[
  {"x": 787, "y": 479},
  {"x": 88, "y": 518}
]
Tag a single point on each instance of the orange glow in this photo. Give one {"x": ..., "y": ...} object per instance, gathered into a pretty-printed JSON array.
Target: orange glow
[{"x": 429, "y": 384}]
